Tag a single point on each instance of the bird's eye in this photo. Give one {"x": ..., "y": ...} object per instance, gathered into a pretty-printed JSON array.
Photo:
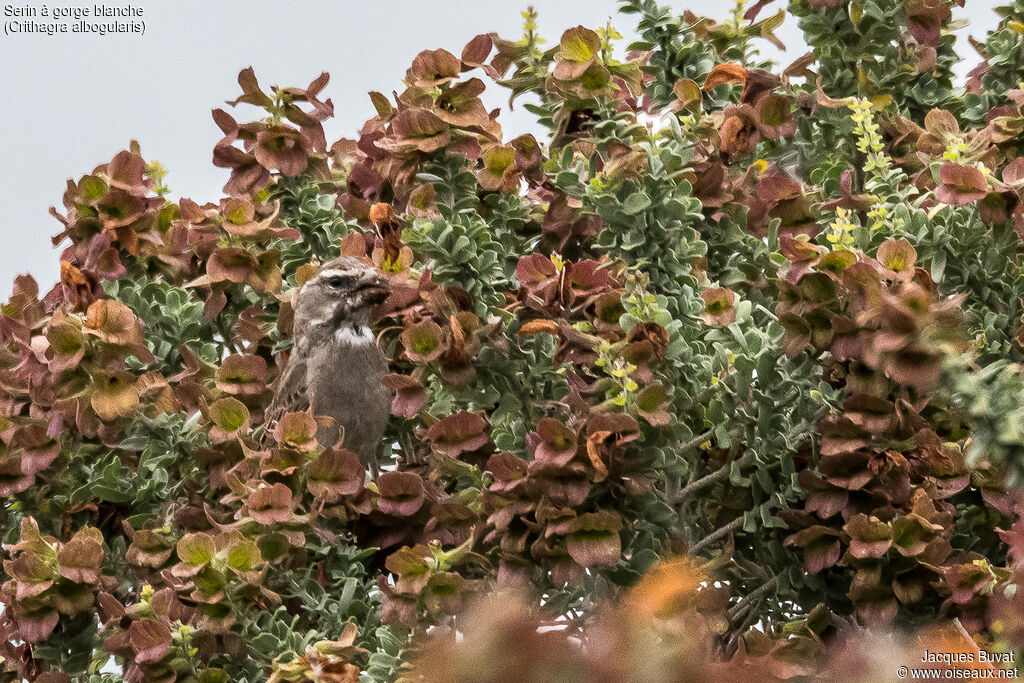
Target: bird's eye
[{"x": 335, "y": 281}]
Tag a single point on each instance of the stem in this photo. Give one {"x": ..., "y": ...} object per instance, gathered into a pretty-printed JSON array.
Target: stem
[
  {"x": 717, "y": 535},
  {"x": 767, "y": 312},
  {"x": 696, "y": 441},
  {"x": 737, "y": 631},
  {"x": 671, "y": 487},
  {"x": 706, "y": 394},
  {"x": 218, "y": 324},
  {"x": 693, "y": 473},
  {"x": 753, "y": 568},
  {"x": 747, "y": 602},
  {"x": 702, "y": 483}
]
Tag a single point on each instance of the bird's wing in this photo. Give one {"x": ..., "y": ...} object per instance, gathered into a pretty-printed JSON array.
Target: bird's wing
[{"x": 291, "y": 394}]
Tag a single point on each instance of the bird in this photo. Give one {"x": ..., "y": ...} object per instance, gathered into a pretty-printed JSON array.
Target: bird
[{"x": 335, "y": 368}]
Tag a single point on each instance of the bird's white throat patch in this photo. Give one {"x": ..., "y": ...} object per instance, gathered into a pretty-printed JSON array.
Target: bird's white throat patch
[{"x": 348, "y": 334}]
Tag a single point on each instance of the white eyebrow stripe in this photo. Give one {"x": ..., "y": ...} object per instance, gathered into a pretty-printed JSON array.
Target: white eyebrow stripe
[{"x": 335, "y": 272}]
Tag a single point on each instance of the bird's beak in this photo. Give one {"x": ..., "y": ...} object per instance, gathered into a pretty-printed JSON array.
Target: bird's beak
[{"x": 376, "y": 290}]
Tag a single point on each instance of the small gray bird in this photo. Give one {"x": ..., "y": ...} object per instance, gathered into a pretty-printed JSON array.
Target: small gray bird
[{"x": 335, "y": 367}]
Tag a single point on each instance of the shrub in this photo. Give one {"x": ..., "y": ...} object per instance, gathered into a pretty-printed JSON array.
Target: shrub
[{"x": 720, "y": 378}]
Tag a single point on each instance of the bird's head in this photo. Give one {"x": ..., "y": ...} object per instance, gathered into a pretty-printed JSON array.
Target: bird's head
[{"x": 340, "y": 296}]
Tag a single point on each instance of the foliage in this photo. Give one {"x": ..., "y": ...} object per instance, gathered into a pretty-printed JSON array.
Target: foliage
[{"x": 723, "y": 376}]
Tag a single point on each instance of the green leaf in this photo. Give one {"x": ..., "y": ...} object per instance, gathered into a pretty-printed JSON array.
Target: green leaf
[
  {"x": 196, "y": 549},
  {"x": 635, "y": 203},
  {"x": 579, "y": 44}
]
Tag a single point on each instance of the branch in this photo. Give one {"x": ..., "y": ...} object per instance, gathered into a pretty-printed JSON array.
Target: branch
[
  {"x": 718, "y": 475},
  {"x": 228, "y": 342},
  {"x": 671, "y": 487},
  {"x": 697, "y": 440},
  {"x": 735, "y": 633},
  {"x": 694, "y": 471},
  {"x": 747, "y": 602},
  {"x": 717, "y": 535},
  {"x": 753, "y": 568},
  {"x": 702, "y": 483}
]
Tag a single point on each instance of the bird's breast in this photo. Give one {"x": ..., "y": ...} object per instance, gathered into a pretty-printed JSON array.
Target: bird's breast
[
  {"x": 343, "y": 373},
  {"x": 347, "y": 385}
]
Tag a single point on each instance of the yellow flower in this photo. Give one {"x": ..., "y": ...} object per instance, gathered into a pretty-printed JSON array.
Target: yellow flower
[
  {"x": 556, "y": 259},
  {"x": 839, "y": 231}
]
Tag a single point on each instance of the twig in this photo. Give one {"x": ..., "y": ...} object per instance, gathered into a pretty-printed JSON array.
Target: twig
[
  {"x": 753, "y": 568},
  {"x": 228, "y": 342},
  {"x": 694, "y": 471},
  {"x": 721, "y": 533},
  {"x": 736, "y": 631},
  {"x": 747, "y": 602},
  {"x": 671, "y": 487},
  {"x": 696, "y": 441},
  {"x": 702, "y": 483},
  {"x": 677, "y": 495}
]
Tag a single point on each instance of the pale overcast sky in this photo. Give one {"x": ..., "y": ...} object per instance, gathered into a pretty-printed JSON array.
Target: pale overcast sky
[{"x": 73, "y": 101}]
